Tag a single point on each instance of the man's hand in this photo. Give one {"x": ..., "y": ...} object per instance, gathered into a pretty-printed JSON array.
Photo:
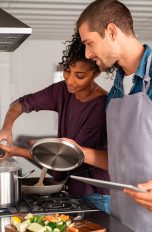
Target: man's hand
[{"x": 144, "y": 199}]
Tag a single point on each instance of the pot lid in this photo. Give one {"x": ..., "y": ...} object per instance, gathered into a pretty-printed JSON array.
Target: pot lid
[{"x": 57, "y": 154}]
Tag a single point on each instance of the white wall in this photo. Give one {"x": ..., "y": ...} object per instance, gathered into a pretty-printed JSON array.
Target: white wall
[
  {"x": 105, "y": 81},
  {"x": 30, "y": 69},
  {"x": 4, "y": 83}
]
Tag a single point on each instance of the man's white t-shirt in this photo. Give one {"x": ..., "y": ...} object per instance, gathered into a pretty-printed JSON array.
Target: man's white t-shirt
[{"x": 128, "y": 83}]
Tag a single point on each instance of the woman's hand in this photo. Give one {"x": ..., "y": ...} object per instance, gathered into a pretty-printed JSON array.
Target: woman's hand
[
  {"x": 14, "y": 151},
  {"x": 6, "y": 134},
  {"x": 72, "y": 141},
  {"x": 98, "y": 158},
  {"x": 143, "y": 199},
  {"x": 14, "y": 111}
]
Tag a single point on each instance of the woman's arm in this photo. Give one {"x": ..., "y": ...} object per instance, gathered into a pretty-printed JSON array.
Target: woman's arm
[
  {"x": 15, "y": 151},
  {"x": 93, "y": 157},
  {"x": 14, "y": 111},
  {"x": 96, "y": 158}
]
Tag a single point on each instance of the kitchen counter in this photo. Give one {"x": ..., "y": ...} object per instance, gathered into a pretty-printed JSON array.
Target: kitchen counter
[
  {"x": 101, "y": 218},
  {"x": 109, "y": 222}
]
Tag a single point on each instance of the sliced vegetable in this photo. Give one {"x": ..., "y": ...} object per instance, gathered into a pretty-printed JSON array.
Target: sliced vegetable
[
  {"x": 29, "y": 216},
  {"x": 64, "y": 217},
  {"x": 48, "y": 229},
  {"x": 40, "y": 219},
  {"x": 36, "y": 227},
  {"x": 22, "y": 227},
  {"x": 56, "y": 230},
  {"x": 52, "y": 225},
  {"x": 50, "y": 218},
  {"x": 46, "y": 222},
  {"x": 15, "y": 220},
  {"x": 61, "y": 227},
  {"x": 35, "y": 219},
  {"x": 60, "y": 223},
  {"x": 68, "y": 222}
]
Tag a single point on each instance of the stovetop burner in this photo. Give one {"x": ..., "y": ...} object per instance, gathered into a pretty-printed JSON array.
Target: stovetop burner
[
  {"x": 49, "y": 204},
  {"x": 54, "y": 204},
  {"x": 58, "y": 195}
]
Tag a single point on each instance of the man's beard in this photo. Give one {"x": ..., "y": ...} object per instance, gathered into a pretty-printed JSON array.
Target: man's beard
[{"x": 111, "y": 69}]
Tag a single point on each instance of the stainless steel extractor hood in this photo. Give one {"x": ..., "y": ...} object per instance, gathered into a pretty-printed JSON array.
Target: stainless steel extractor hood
[{"x": 13, "y": 32}]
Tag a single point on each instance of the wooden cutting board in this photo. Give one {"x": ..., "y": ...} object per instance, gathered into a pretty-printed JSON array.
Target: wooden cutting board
[{"x": 82, "y": 226}]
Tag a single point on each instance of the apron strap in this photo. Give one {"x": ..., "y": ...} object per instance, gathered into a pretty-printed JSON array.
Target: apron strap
[{"x": 146, "y": 80}]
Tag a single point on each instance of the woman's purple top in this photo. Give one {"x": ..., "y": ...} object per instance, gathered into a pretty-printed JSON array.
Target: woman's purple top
[{"x": 84, "y": 122}]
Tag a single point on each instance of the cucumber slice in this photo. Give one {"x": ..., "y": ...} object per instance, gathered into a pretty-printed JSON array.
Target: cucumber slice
[
  {"x": 68, "y": 222},
  {"x": 56, "y": 230},
  {"x": 35, "y": 227},
  {"x": 60, "y": 223}
]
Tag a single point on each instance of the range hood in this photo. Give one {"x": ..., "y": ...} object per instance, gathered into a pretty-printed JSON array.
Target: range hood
[{"x": 13, "y": 32}]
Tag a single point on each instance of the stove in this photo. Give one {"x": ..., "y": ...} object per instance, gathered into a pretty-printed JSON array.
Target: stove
[{"x": 60, "y": 202}]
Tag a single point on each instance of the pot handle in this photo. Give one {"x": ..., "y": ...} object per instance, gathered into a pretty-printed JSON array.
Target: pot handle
[{"x": 25, "y": 175}]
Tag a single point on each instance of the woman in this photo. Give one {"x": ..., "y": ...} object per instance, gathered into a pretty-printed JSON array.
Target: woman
[{"x": 80, "y": 104}]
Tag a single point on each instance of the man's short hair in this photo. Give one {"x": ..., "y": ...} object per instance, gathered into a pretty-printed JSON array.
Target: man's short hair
[{"x": 100, "y": 13}]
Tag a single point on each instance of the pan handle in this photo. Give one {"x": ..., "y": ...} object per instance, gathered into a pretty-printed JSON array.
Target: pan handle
[{"x": 25, "y": 175}]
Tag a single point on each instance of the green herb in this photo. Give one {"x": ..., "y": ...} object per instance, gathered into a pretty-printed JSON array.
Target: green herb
[{"x": 52, "y": 225}]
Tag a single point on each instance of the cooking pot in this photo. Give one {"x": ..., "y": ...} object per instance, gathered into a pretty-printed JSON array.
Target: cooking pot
[
  {"x": 50, "y": 186},
  {"x": 10, "y": 185}
]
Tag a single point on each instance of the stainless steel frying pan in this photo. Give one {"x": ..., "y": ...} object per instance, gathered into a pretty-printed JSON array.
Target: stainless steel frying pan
[
  {"x": 50, "y": 186},
  {"x": 57, "y": 154}
]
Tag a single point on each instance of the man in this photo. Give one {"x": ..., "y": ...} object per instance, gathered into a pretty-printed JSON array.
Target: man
[{"x": 106, "y": 29}]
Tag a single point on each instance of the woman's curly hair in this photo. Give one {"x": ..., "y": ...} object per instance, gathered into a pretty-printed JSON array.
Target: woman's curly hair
[{"x": 75, "y": 51}]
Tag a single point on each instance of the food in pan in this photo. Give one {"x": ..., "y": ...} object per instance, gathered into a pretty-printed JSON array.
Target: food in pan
[{"x": 42, "y": 223}]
